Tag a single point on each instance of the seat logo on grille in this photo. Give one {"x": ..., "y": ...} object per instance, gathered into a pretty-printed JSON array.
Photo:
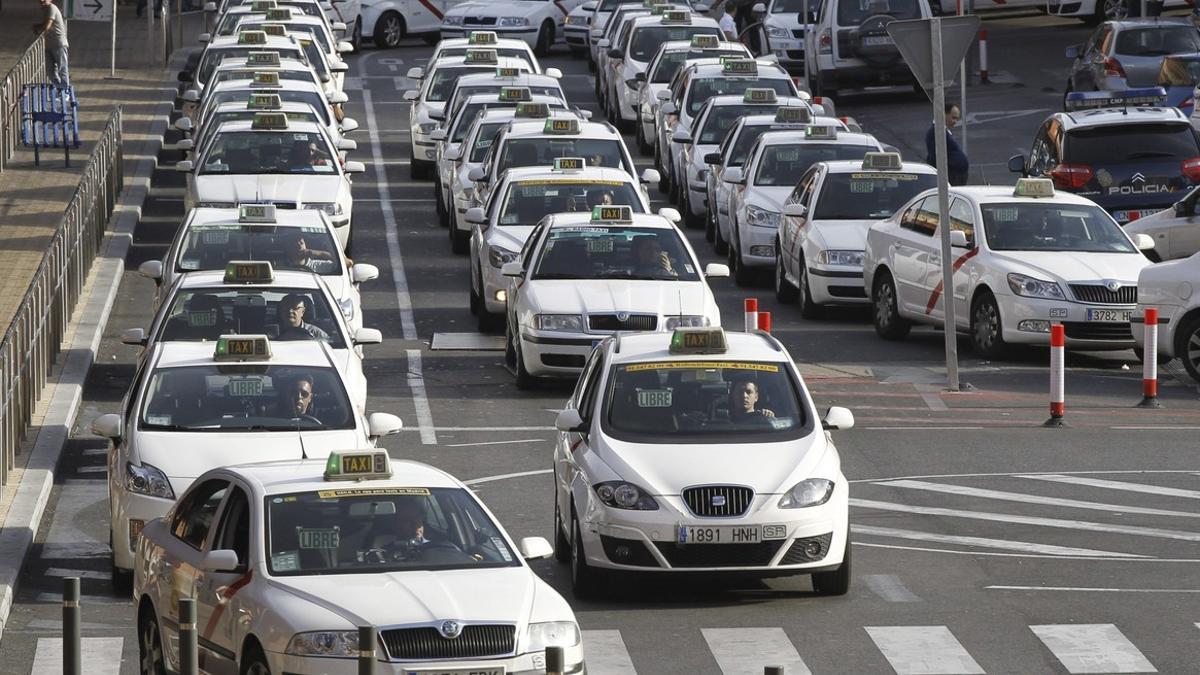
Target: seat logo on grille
[
  {"x": 718, "y": 500},
  {"x": 1112, "y": 285},
  {"x": 450, "y": 629}
]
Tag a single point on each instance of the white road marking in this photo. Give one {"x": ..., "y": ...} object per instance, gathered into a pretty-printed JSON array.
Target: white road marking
[
  {"x": 1081, "y": 589},
  {"x": 1024, "y": 498},
  {"x": 983, "y": 542},
  {"x": 520, "y": 440},
  {"x": 890, "y": 588},
  {"x": 1022, "y": 474},
  {"x": 91, "y": 452},
  {"x": 505, "y": 476},
  {"x": 468, "y": 342},
  {"x": 912, "y": 428},
  {"x": 744, "y": 651},
  {"x": 1158, "y": 427},
  {"x": 100, "y": 656},
  {"x": 91, "y": 469},
  {"x": 996, "y": 554},
  {"x": 1092, "y": 648},
  {"x": 416, "y": 382},
  {"x": 605, "y": 653},
  {"x": 923, "y": 650},
  {"x": 82, "y": 574},
  {"x": 1117, "y": 485}
]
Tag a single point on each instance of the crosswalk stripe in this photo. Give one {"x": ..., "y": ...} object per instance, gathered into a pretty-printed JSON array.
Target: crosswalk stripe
[
  {"x": 983, "y": 542},
  {"x": 605, "y": 653},
  {"x": 923, "y": 650},
  {"x": 1117, "y": 485},
  {"x": 1092, "y": 648},
  {"x": 1034, "y": 499},
  {"x": 744, "y": 651},
  {"x": 100, "y": 656}
]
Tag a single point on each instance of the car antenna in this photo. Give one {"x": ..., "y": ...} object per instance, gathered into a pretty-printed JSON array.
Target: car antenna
[{"x": 303, "y": 451}]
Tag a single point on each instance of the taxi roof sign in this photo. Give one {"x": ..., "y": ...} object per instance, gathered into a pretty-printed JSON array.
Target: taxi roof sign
[
  {"x": 562, "y": 125},
  {"x": 264, "y": 102},
  {"x": 658, "y": 9},
  {"x": 481, "y": 56},
  {"x": 482, "y": 37},
  {"x": 530, "y": 109},
  {"x": 264, "y": 79},
  {"x": 1034, "y": 187},
  {"x": 514, "y": 94},
  {"x": 1091, "y": 100},
  {"x": 757, "y": 95},
  {"x": 569, "y": 163},
  {"x": 677, "y": 16},
  {"x": 275, "y": 121},
  {"x": 698, "y": 341},
  {"x": 883, "y": 161},
  {"x": 612, "y": 214},
  {"x": 793, "y": 114},
  {"x": 262, "y": 6},
  {"x": 276, "y": 29},
  {"x": 262, "y": 59},
  {"x": 255, "y": 213},
  {"x": 739, "y": 67},
  {"x": 279, "y": 14},
  {"x": 242, "y": 348},
  {"x": 249, "y": 271},
  {"x": 705, "y": 42},
  {"x": 508, "y": 71},
  {"x": 358, "y": 465},
  {"x": 252, "y": 37},
  {"x": 820, "y": 132}
]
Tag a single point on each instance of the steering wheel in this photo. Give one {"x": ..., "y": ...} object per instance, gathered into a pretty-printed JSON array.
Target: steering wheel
[{"x": 310, "y": 418}]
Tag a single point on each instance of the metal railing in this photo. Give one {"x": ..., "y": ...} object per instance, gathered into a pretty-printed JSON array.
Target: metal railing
[
  {"x": 30, "y": 68},
  {"x": 32, "y": 341}
]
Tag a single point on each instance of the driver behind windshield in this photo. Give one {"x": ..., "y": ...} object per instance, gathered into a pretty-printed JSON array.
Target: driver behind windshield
[
  {"x": 650, "y": 260},
  {"x": 291, "y": 310},
  {"x": 295, "y": 400},
  {"x": 744, "y": 403}
]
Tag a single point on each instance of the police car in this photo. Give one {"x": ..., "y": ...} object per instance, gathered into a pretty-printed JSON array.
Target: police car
[
  {"x": 259, "y": 102},
  {"x": 1170, "y": 288},
  {"x": 773, "y": 167},
  {"x": 540, "y": 24},
  {"x": 651, "y": 470},
  {"x": 1024, "y": 258},
  {"x": 1120, "y": 149},
  {"x": 199, "y": 405},
  {"x": 1175, "y": 230},
  {"x": 287, "y": 559},
  {"x": 273, "y": 160},
  {"x": 584, "y": 276},
  {"x": 489, "y": 39},
  {"x": 521, "y": 199},
  {"x": 823, "y": 228}
]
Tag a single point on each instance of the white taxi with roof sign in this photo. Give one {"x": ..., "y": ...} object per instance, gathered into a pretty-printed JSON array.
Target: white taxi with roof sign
[
  {"x": 245, "y": 110},
  {"x": 539, "y": 24},
  {"x": 195, "y": 406},
  {"x": 823, "y": 229},
  {"x": 268, "y": 62},
  {"x": 238, "y": 47},
  {"x": 1024, "y": 258},
  {"x": 248, "y": 91},
  {"x": 603, "y": 38},
  {"x": 489, "y": 39},
  {"x": 699, "y": 451},
  {"x": 288, "y": 559},
  {"x": 499, "y": 80},
  {"x": 582, "y": 277}
]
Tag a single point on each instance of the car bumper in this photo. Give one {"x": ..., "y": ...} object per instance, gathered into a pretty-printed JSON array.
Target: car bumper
[
  {"x": 495, "y": 287},
  {"x": 524, "y": 664},
  {"x": 1028, "y": 320},
  {"x": 757, "y": 246},
  {"x": 1169, "y": 317},
  {"x": 841, "y": 286},
  {"x": 547, "y": 353},
  {"x": 576, "y": 37}
]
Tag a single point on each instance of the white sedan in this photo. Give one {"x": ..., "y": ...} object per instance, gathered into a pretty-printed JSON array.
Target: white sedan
[
  {"x": 1175, "y": 230},
  {"x": 540, "y": 24},
  {"x": 1170, "y": 288}
]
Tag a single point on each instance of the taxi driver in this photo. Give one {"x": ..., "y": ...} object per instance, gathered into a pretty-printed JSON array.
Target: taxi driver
[
  {"x": 291, "y": 310},
  {"x": 650, "y": 259},
  {"x": 296, "y": 399},
  {"x": 743, "y": 401}
]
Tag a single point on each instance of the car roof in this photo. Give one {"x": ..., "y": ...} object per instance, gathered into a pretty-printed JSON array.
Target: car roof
[
  {"x": 453, "y": 43},
  {"x": 307, "y": 475},
  {"x": 769, "y": 120},
  {"x": 494, "y": 97},
  {"x": 501, "y": 62},
  {"x": 647, "y": 220},
  {"x": 789, "y": 136},
  {"x": 598, "y": 173},
  {"x": 285, "y": 63},
  {"x": 739, "y": 99},
  {"x": 293, "y": 127},
  {"x": 985, "y": 194},
  {"x": 1118, "y": 116},
  {"x": 284, "y": 106},
  {"x": 1150, "y": 22},
  {"x": 854, "y": 165},
  {"x": 636, "y": 347},
  {"x": 523, "y": 128},
  {"x": 712, "y": 66},
  {"x": 657, "y": 19},
  {"x": 206, "y": 215},
  {"x": 526, "y": 78},
  {"x": 215, "y": 278},
  {"x": 283, "y": 353},
  {"x": 273, "y": 42},
  {"x": 686, "y": 46},
  {"x": 295, "y": 85}
]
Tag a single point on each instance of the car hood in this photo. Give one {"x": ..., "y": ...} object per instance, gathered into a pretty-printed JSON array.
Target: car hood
[
  {"x": 769, "y": 197},
  {"x": 267, "y": 188},
  {"x": 511, "y": 237},
  {"x": 1077, "y": 267},
  {"x": 494, "y": 9},
  {"x": 661, "y": 298},
  {"x": 841, "y": 235}
]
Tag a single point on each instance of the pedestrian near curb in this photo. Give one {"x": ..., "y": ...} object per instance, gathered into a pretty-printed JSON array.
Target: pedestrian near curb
[
  {"x": 54, "y": 27},
  {"x": 958, "y": 166}
]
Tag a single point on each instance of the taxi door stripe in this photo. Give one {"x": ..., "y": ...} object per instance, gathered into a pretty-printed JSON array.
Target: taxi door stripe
[
  {"x": 937, "y": 290},
  {"x": 432, "y": 8},
  {"x": 225, "y": 595},
  {"x": 558, "y": 4}
]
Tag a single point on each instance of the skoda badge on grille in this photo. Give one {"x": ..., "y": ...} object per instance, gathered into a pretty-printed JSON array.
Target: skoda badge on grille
[
  {"x": 718, "y": 500},
  {"x": 622, "y": 316},
  {"x": 450, "y": 629},
  {"x": 1112, "y": 285}
]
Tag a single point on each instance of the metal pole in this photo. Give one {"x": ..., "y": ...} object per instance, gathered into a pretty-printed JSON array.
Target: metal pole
[
  {"x": 72, "y": 664},
  {"x": 164, "y": 16},
  {"x": 554, "y": 661},
  {"x": 949, "y": 328},
  {"x": 112, "y": 64},
  {"x": 366, "y": 650},
  {"x": 962, "y": 91},
  {"x": 178, "y": 23},
  {"x": 189, "y": 657}
]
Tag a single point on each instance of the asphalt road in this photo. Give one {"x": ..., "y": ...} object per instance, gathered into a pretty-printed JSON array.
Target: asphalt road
[{"x": 982, "y": 541}]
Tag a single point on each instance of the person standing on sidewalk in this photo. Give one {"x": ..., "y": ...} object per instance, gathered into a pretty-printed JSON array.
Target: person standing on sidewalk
[
  {"x": 958, "y": 166},
  {"x": 54, "y": 27},
  {"x": 728, "y": 21}
]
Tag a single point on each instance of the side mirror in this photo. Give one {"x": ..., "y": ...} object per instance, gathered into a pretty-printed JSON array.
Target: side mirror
[
  {"x": 108, "y": 426},
  {"x": 633, "y": 83},
  {"x": 959, "y": 238},
  {"x": 185, "y": 76},
  {"x": 355, "y": 167},
  {"x": 758, "y": 8},
  {"x": 1143, "y": 241},
  {"x": 383, "y": 424},
  {"x": 338, "y": 97},
  {"x": 553, "y": 72},
  {"x": 668, "y": 108},
  {"x": 410, "y": 95},
  {"x": 210, "y": 6},
  {"x": 838, "y": 417},
  {"x": 221, "y": 560},
  {"x": 346, "y": 145},
  {"x": 534, "y": 548},
  {"x": 437, "y": 115},
  {"x": 368, "y": 336},
  {"x": 475, "y": 216},
  {"x": 184, "y": 124},
  {"x": 569, "y": 420},
  {"x": 671, "y": 214},
  {"x": 682, "y": 137},
  {"x": 203, "y": 38},
  {"x": 416, "y": 73},
  {"x": 716, "y": 270},
  {"x": 363, "y": 272},
  {"x": 733, "y": 175},
  {"x": 796, "y": 210},
  {"x": 588, "y": 7},
  {"x": 650, "y": 176},
  {"x": 348, "y": 124},
  {"x": 713, "y": 158},
  {"x": 476, "y": 174},
  {"x": 640, "y": 76},
  {"x": 615, "y": 54},
  {"x": 604, "y": 43},
  {"x": 663, "y": 95},
  {"x": 151, "y": 269},
  {"x": 134, "y": 336},
  {"x": 184, "y": 166},
  {"x": 438, "y": 135},
  {"x": 512, "y": 269},
  {"x": 191, "y": 96},
  {"x": 452, "y": 155},
  {"x": 344, "y": 47},
  {"x": 1016, "y": 164},
  {"x": 184, "y": 144},
  {"x": 338, "y": 25},
  {"x": 1073, "y": 52}
]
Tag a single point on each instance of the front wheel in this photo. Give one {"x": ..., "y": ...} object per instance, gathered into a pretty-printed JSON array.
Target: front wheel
[
  {"x": 545, "y": 39},
  {"x": 254, "y": 663},
  {"x": 987, "y": 336},
  {"x": 889, "y": 325},
  {"x": 525, "y": 381},
  {"x": 785, "y": 292},
  {"x": 389, "y": 30},
  {"x": 836, "y": 582},
  {"x": 1188, "y": 347},
  {"x": 150, "y": 649},
  {"x": 809, "y": 309},
  {"x": 356, "y": 38},
  {"x": 585, "y": 581}
]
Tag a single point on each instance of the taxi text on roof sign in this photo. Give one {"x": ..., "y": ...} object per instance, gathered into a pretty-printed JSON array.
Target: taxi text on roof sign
[
  {"x": 698, "y": 341},
  {"x": 756, "y": 95},
  {"x": 513, "y": 94},
  {"x": 249, "y": 272},
  {"x": 677, "y": 16},
  {"x": 568, "y": 163},
  {"x": 265, "y": 79},
  {"x": 820, "y": 132},
  {"x": 883, "y": 161},
  {"x": 1034, "y": 187},
  {"x": 269, "y": 121},
  {"x": 508, "y": 72},
  {"x": 705, "y": 41},
  {"x": 528, "y": 109},
  {"x": 481, "y": 56},
  {"x": 612, "y": 214},
  {"x": 1088, "y": 100},
  {"x": 276, "y": 29},
  {"x": 242, "y": 348},
  {"x": 252, "y": 37},
  {"x": 481, "y": 37},
  {"x": 793, "y": 114},
  {"x": 264, "y": 102},
  {"x": 262, "y": 5},
  {"x": 565, "y": 125},
  {"x": 279, "y": 14},
  {"x": 739, "y": 67},
  {"x": 256, "y": 213},
  {"x": 262, "y": 59},
  {"x": 358, "y": 465}
]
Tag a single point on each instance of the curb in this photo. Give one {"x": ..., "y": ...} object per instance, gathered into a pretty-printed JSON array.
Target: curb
[{"x": 20, "y": 526}]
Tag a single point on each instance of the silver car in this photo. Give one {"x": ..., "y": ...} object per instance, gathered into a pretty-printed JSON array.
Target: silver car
[
  {"x": 1125, "y": 54},
  {"x": 1175, "y": 230}
]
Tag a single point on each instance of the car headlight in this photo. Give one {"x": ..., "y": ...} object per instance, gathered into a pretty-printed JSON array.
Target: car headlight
[
  {"x": 1034, "y": 288},
  {"x": 759, "y": 217},
  {"x": 685, "y": 321},
  {"x": 566, "y": 323},
  {"x": 513, "y": 21},
  {"x": 777, "y": 32},
  {"x": 551, "y": 634},
  {"x": 580, "y": 20},
  {"x": 330, "y": 643},
  {"x": 621, "y": 495},
  {"x": 347, "y": 307},
  {"x": 851, "y": 258},
  {"x": 147, "y": 480},
  {"x": 216, "y": 205},
  {"x": 452, "y": 20},
  {"x": 497, "y": 256},
  {"x": 810, "y": 492},
  {"x": 330, "y": 208},
  {"x": 427, "y": 127}
]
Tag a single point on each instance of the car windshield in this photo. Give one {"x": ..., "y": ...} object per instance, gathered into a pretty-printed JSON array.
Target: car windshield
[
  {"x": 239, "y": 74},
  {"x": 542, "y": 151},
  {"x": 215, "y": 57},
  {"x": 314, "y": 99},
  {"x": 308, "y": 30},
  {"x": 512, "y": 52},
  {"x": 243, "y": 115},
  {"x": 795, "y": 7},
  {"x": 785, "y": 164},
  {"x": 1131, "y": 142},
  {"x": 703, "y": 89},
  {"x": 1157, "y": 40},
  {"x": 528, "y": 202},
  {"x": 1052, "y": 227},
  {"x": 205, "y": 314},
  {"x": 721, "y": 119},
  {"x": 710, "y": 401},
  {"x": 868, "y": 195},
  {"x": 302, "y": 249},
  {"x": 614, "y": 252},
  {"x": 483, "y": 140},
  {"x": 470, "y": 111},
  {"x": 345, "y": 529},
  {"x": 854, "y": 12},
  {"x": 670, "y": 62},
  {"x": 246, "y": 397},
  {"x": 610, "y": 5},
  {"x": 255, "y": 152},
  {"x": 1179, "y": 72},
  {"x": 646, "y": 40},
  {"x": 744, "y": 141},
  {"x": 442, "y": 81}
]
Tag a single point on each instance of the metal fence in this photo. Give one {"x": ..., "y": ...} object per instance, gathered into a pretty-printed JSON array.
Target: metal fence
[
  {"x": 33, "y": 339},
  {"x": 30, "y": 68}
]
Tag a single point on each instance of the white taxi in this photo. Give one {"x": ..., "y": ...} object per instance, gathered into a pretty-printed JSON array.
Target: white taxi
[
  {"x": 195, "y": 406},
  {"x": 238, "y": 47},
  {"x": 539, "y": 24},
  {"x": 773, "y": 167},
  {"x": 265, "y": 62},
  {"x": 582, "y": 277},
  {"x": 261, "y": 102},
  {"x": 1170, "y": 288},
  {"x": 468, "y": 85},
  {"x": 1175, "y": 230},
  {"x": 271, "y": 159},
  {"x": 1024, "y": 259},
  {"x": 607, "y": 33},
  {"x": 699, "y": 452},
  {"x": 823, "y": 229},
  {"x": 288, "y": 559},
  {"x": 292, "y": 21},
  {"x": 289, "y": 91}
]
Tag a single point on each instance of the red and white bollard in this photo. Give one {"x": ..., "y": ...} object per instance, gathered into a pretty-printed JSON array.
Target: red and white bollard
[
  {"x": 764, "y": 322},
  {"x": 1058, "y": 349},
  {"x": 751, "y": 315},
  {"x": 983, "y": 71},
  {"x": 1150, "y": 361}
]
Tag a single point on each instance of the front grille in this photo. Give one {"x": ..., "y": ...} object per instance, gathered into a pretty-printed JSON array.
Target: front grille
[
  {"x": 796, "y": 555},
  {"x": 426, "y": 643},
  {"x": 636, "y": 322},
  {"x": 627, "y": 552},
  {"x": 564, "y": 360},
  {"x": 717, "y": 501},
  {"x": 798, "y": 32},
  {"x": 479, "y": 21},
  {"x": 1125, "y": 295},
  {"x": 719, "y": 555},
  {"x": 847, "y": 292},
  {"x": 795, "y": 54},
  {"x": 1098, "y": 330}
]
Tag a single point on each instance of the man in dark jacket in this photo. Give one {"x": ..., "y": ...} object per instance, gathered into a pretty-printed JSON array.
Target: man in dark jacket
[{"x": 956, "y": 159}]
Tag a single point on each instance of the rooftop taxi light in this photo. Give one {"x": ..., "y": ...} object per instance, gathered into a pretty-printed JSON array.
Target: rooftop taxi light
[
  {"x": 705, "y": 42},
  {"x": 264, "y": 102},
  {"x": 269, "y": 121},
  {"x": 358, "y": 465},
  {"x": 677, "y": 16},
  {"x": 264, "y": 79},
  {"x": 249, "y": 272},
  {"x": 755, "y": 95},
  {"x": 515, "y": 94},
  {"x": 739, "y": 67},
  {"x": 698, "y": 341},
  {"x": 263, "y": 59},
  {"x": 565, "y": 125},
  {"x": 280, "y": 14},
  {"x": 276, "y": 29},
  {"x": 530, "y": 109},
  {"x": 569, "y": 163},
  {"x": 259, "y": 6},
  {"x": 256, "y": 213},
  {"x": 508, "y": 72},
  {"x": 612, "y": 214},
  {"x": 252, "y": 37},
  {"x": 478, "y": 56},
  {"x": 1034, "y": 187},
  {"x": 793, "y": 114},
  {"x": 818, "y": 132},
  {"x": 1091, "y": 100},
  {"x": 242, "y": 348},
  {"x": 883, "y": 161},
  {"x": 659, "y": 9},
  {"x": 482, "y": 37}
]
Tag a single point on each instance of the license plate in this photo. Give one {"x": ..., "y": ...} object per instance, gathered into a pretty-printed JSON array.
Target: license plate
[
  {"x": 492, "y": 670},
  {"x": 1122, "y": 315},
  {"x": 1127, "y": 216},
  {"x": 877, "y": 41},
  {"x": 729, "y": 534}
]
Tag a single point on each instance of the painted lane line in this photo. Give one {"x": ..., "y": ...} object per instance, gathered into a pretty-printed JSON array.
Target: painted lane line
[
  {"x": 744, "y": 651},
  {"x": 1024, "y": 498},
  {"x": 605, "y": 653},
  {"x": 923, "y": 650},
  {"x": 1032, "y": 556},
  {"x": 983, "y": 542},
  {"x": 416, "y": 382},
  {"x": 1026, "y": 474},
  {"x": 1159, "y": 427},
  {"x": 1092, "y": 648},
  {"x": 100, "y": 655},
  {"x": 1062, "y": 523},
  {"x": 912, "y": 428},
  {"x": 1081, "y": 589},
  {"x": 890, "y": 588},
  {"x": 505, "y": 476},
  {"x": 1117, "y": 485},
  {"x": 519, "y": 440}
]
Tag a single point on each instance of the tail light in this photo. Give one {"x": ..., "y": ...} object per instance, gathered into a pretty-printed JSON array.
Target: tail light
[
  {"x": 1075, "y": 176},
  {"x": 1191, "y": 169},
  {"x": 825, "y": 42},
  {"x": 1112, "y": 68}
]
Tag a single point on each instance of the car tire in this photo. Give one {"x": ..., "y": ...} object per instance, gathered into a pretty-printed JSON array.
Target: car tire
[
  {"x": 585, "y": 581},
  {"x": 987, "y": 335},
  {"x": 562, "y": 545},
  {"x": 150, "y": 645},
  {"x": 474, "y": 299},
  {"x": 122, "y": 580},
  {"x": 254, "y": 662},
  {"x": 808, "y": 308},
  {"x": 1107, "y": 10},
  {"x": 834, "y": 582},
  {"x": 545, "y": 39},
  {"x": 690, "y": 220},
  {"x": 785, "y": 292},
  {"x": 356, "y": 38},
  {"x": 1187, "y": 346},
  {"x": 459, "y": 241},
  {"x": 643, "y": 145},
  {"x": 743, "y": 276},
  {"x": 889, "y": 325},
  {"x": 525, "y": 381},
  {"x": 720, "y": 246},
  {"x": 389, "y": 30},
  {"x": 439, "y": 203}
]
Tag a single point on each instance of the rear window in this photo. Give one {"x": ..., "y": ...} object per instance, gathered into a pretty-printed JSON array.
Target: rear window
[
  {"x": 785, "y": 164},
  {"x": 1179, "y": 73},
  {"x": 1131, "y": 142},
  {"x": 704, "y": 89},
  {"x": 443, "y": 81},
  {"x": 1158, "y": 41},
  {"x": 670, "y": 62},
  {"x": 868, "y": 195},
  {"x": 646, "y": 41},
  {"x": 854, "y": 12},
  {"x": 721, "y": 119}
]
